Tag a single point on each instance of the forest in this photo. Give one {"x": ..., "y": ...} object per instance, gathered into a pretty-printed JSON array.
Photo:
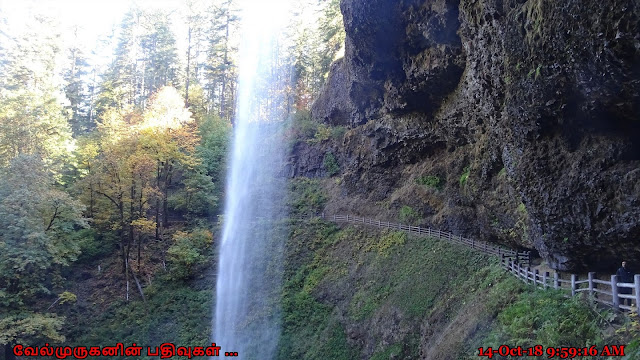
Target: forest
[
  {"x": 117, "y": 152},
  {"x": 511, "y": 123}
]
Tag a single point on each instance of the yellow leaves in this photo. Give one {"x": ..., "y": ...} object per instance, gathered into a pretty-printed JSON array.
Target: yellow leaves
[
  {"x": 144, "y": 225},
  {"x": 166, "y": 111},
  {"x": 112, "y": 126},
  {"x": 67, "y": 297}
]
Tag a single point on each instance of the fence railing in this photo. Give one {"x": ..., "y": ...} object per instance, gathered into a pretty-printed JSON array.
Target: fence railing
[
  {"x": 520, "y": 257},
  {"x": 518, "y": 263},
  {"x": 603, "y": 291}
]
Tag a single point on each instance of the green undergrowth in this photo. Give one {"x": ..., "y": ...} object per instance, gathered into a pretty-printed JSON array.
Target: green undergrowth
[
  {"x": 549, "y": 319},
  {"x": 307, "y": 197},
  {"x": 345, "y": 278},
  {"x": 403, "y": 297},
  {"x": 174, "y": 312}
]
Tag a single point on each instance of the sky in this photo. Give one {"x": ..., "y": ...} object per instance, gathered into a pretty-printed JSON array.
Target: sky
[
  {"x": 94, "y": 17},
  {"x": 94, "y": 20},
  {"x": 97, "y": 19}
]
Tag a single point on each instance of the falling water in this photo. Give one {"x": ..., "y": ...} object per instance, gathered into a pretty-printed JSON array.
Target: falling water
[{"x": 248, "y": 287}]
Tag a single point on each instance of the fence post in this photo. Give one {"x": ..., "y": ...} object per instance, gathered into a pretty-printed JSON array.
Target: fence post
[
  {"x": 614, "y": 291},
  {"x": 334, "y": 217},
  {"x": 591, "y": 275},
  {"x": 556, "y": 281},
  {"x": 519, "y": 272},
  {"x": 536, "y": 275},
  {"x": 528, "y": 270},
  {"x": 545, "y": 276},
  {"x": 379, "y": 223},
  {"x": 637, "y": 290},
  {"x": 573, "y": 285}
]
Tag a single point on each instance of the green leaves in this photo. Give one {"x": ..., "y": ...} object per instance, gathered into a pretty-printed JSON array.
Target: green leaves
[
  {"x": 188, "y": 251},
  {"x": 36, "y": 221},
  {"x": 31, "y": 329}
]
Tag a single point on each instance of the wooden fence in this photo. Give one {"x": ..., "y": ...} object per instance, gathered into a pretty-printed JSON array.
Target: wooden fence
[
  {"x": 518, "y": 262},
  {"x": 520, "y": 257},
  {"x": 602, "y": 291}
]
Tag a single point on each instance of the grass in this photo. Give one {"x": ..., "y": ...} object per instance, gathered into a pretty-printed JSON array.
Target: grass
[
  {"x": 408, "y": 215},
  {"x": 307, "y": 197},
  {"x": 367, "y": 273},
  {"x": 354, "y": 278}
]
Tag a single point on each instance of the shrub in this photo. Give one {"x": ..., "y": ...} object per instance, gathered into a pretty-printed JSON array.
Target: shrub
[
  {"x": 323, "y": 132},
  {"x": 408, "y": 215},
  {"x": 338, "y": 132},
  {"x": 430, "y": 181},
  {"x": 549, "y": 319},
  {"x": 307, "y": 196},
  {"x": 188, "y": 251},
  {"x": 302, "y": 126},
  {"x": 330, "y": 164}
]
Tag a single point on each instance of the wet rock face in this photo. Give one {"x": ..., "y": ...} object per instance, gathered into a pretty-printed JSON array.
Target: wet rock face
[
  {"x": 400, "y": 57},
  {"x": 537, "y": 101}
]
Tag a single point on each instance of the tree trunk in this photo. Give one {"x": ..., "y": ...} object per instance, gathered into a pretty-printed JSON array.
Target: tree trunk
[
  {"x": 223, "y": 106},
  {"x": 165, "y": 194},
  {"x": 122, "y": 237},
  {"x": 158, "y": 203},
  {"x": 131, "y": 212},
  {"x": 186, "y": 91}
]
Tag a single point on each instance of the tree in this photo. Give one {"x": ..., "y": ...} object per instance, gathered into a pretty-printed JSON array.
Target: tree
[
  {"x": 37, "y": 235},
  {"x": 212, "y": 151},
  {"x": 159, "y": 53},
  {"x": 170, "y": 139},
  {"x": 76, "y": 90},
  {"x": 145, "y": 60},
  {"x": 32, "y": 116},
  {"x": 221, "y": 68},
  {"x": 314, "y": 47},
  {"x": 138, "y": 157},
  {"x": 196, "y": 18}
]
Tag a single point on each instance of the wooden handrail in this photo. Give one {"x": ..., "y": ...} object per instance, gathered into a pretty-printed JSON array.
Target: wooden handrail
[{"x": 513, "y": 261}]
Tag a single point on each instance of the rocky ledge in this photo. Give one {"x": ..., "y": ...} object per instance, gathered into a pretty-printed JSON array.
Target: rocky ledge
[{"x": 508, "y": 120}]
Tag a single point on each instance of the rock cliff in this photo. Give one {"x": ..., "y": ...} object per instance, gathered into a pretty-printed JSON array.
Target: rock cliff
[{"x": 507, "y": 120}]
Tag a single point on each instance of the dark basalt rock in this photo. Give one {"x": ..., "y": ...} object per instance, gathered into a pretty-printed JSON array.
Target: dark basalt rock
[{"x": 538, "y": 101}]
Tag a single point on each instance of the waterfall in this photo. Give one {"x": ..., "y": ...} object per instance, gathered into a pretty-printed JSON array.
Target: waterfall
[{"x": 247, "y": 309}]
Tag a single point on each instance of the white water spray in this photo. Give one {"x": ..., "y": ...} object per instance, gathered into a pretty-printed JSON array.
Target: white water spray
[{"x": 247, "y": 311}]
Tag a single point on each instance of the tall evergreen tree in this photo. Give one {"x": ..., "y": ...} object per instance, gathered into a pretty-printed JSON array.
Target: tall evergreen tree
[
  {"x": 146, "y": 59},
  {"x": 32, "y": 115},
  {"x": 221, "y": 63},
  {"x": 76, "y": 88},
  {"x": 159, "y": 53}
]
